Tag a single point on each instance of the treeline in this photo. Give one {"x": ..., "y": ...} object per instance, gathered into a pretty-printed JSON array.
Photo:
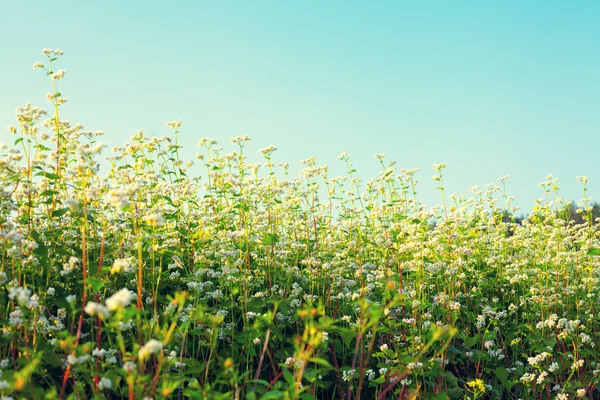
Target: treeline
[{"x": 574, "y": 213}]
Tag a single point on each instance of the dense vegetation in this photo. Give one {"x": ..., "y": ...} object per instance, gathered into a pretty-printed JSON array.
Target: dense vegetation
[{"x": 249, "y": 282}]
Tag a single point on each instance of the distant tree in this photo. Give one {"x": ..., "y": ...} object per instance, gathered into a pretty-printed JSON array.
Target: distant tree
[{"x": 581, "y": 217}]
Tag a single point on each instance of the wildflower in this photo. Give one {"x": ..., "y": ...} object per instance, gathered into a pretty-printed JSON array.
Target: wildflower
[
  {"x": 476, "y": 385},
  {"x": 347, "y": 375},
  {"x": 15, "y": 318},
  {"x": 119, "y": 265},
  {"x": 59, "y": 74},
  {"x": 155, "y": 219},
  {"x": 71, "y": 204},
  {"x": 70, "y": 266},
  {"x": 151, "y": 347},
  {"x": 577, "y": 364},
  {"x": 129, "y": 366},
  {"x": 22, "y": 295},
  {"x": 268, "y": 150},
  {"x": 95, "y": 309},
  {"x": 97, "y": 352},
  {"x": 120, "y": 299},
  {"x": 104, "y": 383},
  {"x": 174, "y": 124},
  {"x": 38, "y": 65}
]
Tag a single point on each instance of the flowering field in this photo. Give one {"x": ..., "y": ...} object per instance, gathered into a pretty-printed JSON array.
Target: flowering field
[{"x": 252, "y": 282}]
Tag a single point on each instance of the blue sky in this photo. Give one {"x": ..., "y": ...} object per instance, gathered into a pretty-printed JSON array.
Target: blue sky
[{"x": 490, "y": 88}]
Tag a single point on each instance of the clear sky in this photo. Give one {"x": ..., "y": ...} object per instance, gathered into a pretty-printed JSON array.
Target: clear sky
[{"x": 491, "y": 88}]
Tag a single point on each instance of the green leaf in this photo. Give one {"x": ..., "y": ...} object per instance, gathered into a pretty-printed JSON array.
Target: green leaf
[
  {"x": 469, "y": 342},
  {"x": 95, "y": 283},
  {"x": 47, "y": 175},
  {"x": 347, "y": 335},
  {"x": 320, "y": 361},
  {"x": 501, "y": 374},
  {"x": 270, "y": 239},
  {"x": 60, "y": 212}
]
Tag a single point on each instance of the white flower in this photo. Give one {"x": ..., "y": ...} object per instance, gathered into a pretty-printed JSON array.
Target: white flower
[
  {"x": 149, "y": 348},
  {"x": 59, "y": 74},
  {"x": 99, "y": 352},
  {"x": 129, "y": 366},
  {"x": 155, "y": 219},
  {"x": 120, "y": 299},
  {"x": 104, "y": 383},
  {"x": 95, "y": 309},
  {"x": 268, "y": 150},
  {"x": 71, "y": 204},
  {"x": 119, "y": 265},
  {"x": 174, "y": 124}
]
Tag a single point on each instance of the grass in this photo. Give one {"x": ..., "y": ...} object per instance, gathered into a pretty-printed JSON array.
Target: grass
[{"x": 249, "y": 282}]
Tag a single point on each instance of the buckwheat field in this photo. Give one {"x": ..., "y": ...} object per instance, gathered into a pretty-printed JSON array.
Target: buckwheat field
[{"x": 252, "y": 281}]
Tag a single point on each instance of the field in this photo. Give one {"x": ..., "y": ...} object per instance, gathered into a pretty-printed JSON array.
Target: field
[{"x": 254, "y": 282}]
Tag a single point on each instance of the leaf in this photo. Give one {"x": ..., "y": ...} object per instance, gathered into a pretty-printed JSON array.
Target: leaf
[
  {"x": 48, "y": 193},
  {"x": 469, "y": 342},
  {"x": 501, "y": 374},
  {"x": 95, "y": 283},
  {"x": 347, "y": 335},
  {"x": 47, "y": 175},
  {"x": 273, "y": 395},
  {"x": 320, "y": 361},
  {"x": 60, "y": 212},
  {"x": 270, "y": 239}
]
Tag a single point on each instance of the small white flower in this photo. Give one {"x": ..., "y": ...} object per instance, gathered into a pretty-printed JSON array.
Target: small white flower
[
  {"x": 155, "y": 219},
  {"x": 95, "y": 309},
  {"x": 149, "y": 348},
  {"x": 174, "y": 124},
  {"x": 121, "y": 299},
  {"x": 104, "y": 383},
  {"x": 119, "y": 265}
]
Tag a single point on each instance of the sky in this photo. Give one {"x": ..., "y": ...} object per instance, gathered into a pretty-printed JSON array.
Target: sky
[{"x": 490, "y": 88}]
